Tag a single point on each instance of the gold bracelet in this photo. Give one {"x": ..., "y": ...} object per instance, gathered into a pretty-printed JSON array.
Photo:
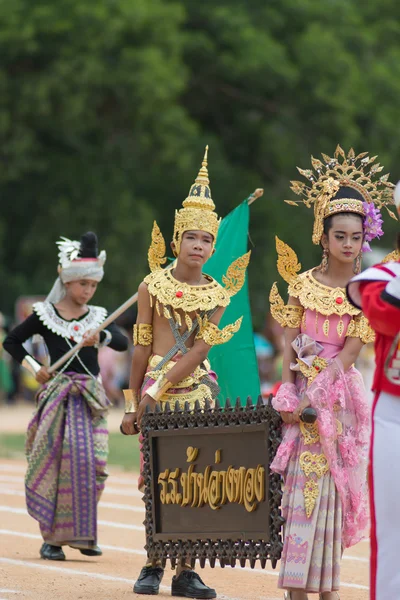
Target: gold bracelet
[
  {"x": 131, "y": 401},
  {"x": 159, "y": 387}
]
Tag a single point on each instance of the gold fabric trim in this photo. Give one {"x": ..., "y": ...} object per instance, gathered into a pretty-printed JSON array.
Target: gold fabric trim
[
  {"x": 142, "y": 334},
  {"x": 359, "y": 327},
  {"x": 319, "y": 297},
  {"x": 316, "y": 464},
  {"x": 187, "y": 382},
  {"x": 201, "y": 393},
  {"x": 310, "y": 493},
  {"x": 310, "y": 433},
  {"x": 156, "y": 254},
  {"x": 212, "y": 335},
  {"x": 312, "y": 465}
]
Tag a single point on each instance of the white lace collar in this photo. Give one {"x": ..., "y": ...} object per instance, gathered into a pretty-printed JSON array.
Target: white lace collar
[{"x": 72, "y": 330}]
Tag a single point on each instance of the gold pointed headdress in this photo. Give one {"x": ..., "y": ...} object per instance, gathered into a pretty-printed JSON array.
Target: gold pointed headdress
[
  {"x": 342, "y": 184},
  {"x": 197, "y": 213}
]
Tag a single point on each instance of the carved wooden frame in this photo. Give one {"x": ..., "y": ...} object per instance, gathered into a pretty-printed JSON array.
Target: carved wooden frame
[{"x": 226, "y": 551}]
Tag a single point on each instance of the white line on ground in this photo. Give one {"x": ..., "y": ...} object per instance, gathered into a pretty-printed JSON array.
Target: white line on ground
[
  {"x": 113, "y": 491},
  {"x": 67, "y": 571},
  {"x": 23, "y": 511},
  {"x": 35, "y": 536},
  {"x": 139, "y": 509},
  {"x": 11, "y": 478},
  {"x": 142, "y": 552},
  {"x": 12, "y": 469},
  {"x": 5, "y": 591}
]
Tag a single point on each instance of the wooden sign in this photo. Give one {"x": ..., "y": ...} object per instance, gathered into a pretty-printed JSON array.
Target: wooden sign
[{"x": 209, "y": 492}]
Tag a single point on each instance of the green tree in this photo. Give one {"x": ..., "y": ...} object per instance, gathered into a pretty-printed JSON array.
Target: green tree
[{"x": 106, "y": 105}]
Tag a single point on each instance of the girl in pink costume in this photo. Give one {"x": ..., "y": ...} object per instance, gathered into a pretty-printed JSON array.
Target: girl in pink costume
[{"x": 324, "y": 463}]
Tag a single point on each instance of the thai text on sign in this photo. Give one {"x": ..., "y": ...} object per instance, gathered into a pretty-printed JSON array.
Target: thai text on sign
[{"x": 245, "y": 486}]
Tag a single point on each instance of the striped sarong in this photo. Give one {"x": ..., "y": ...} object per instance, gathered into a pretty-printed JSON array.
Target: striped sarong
[{"x": 67, "y": 448}]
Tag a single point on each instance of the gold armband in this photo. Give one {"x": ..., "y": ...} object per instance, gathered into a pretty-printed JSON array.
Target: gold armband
[
  {"x": 212, "y": 335},
  {"x": 142, "y": 334},
  {"x": 359, "y": 327},
  {"x": 292, "y": 315},
  {"x": 159, "y": 387},
  {"x": 131, "y": 401}
]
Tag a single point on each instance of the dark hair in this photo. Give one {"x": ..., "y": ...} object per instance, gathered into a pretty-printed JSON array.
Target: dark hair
[
  {"x": 89, "y": 247},
  {"x": 343, "y": 192}
]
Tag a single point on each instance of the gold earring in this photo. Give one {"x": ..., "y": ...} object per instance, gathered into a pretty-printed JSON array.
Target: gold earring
[
  {"x": 324, "y": 262},
  {"x": 357, "y": 264}
]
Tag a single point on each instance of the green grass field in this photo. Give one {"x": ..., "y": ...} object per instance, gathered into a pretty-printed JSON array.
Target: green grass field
[{"x": 124, "y": 450}]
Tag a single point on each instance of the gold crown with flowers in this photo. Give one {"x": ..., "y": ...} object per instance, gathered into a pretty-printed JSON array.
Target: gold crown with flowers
[
  {"x": 351, "y": 171},
  {"x": 197, "y": 213}
]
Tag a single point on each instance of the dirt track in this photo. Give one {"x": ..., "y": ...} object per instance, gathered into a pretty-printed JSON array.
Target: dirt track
[{"x": 24, "y": 575}]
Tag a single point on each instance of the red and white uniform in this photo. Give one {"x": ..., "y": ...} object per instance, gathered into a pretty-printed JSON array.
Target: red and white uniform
[{"x": 377, "y": 292}]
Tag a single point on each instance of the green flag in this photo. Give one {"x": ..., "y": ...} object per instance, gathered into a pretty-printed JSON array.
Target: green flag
[{"x": 235, "y": 362}]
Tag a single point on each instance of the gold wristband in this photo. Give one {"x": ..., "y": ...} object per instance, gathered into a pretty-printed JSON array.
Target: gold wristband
[
  {"x": 159, "y": 387},
  {"x": 131, "y": 401}
]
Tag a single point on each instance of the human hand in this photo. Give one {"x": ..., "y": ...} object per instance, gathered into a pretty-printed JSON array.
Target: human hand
[
  {"x": 304, "y": 403},
  {"x": 146, "y": 401},
  {"x": 91, "y": 340},
  {"x": 43, "y": 376},
  {"x": 128, "y": 425},
  {"x": 287, "y": 417}
]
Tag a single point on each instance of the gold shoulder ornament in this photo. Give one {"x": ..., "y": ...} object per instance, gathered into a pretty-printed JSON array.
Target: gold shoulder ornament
[
  {"x": 288, "y": 264},
  {"x": 156, "y": 254},
  {"x": 392, "y": 257},
  {"x": 234, "y": 279},
  {"x": 287, "y": 315},
  {"x": 212, "y": 335}
]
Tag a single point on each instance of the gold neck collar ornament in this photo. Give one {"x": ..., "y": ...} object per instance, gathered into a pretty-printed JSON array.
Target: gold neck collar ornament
[
  {"x": 197, "y": 213},
  {"x": 356, "y": 172}
]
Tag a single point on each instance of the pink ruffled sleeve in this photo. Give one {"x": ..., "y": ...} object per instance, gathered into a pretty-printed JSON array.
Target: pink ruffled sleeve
[{"x": 286, "y": 399}]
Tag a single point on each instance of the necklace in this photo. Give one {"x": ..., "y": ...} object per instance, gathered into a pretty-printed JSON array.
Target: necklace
[{"x": 168, "y": 291}]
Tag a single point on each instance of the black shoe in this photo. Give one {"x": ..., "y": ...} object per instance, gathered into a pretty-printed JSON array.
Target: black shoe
[
  {"x": 49, "y": 552},
  {"x": 149, "y": 581},
  {"x": 189, "y": 585},
  {"x": 95, "y": 551}
]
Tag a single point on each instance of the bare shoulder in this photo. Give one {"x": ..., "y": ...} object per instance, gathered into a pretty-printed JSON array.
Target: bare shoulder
[
  {"x": 143, "y": 294},
  {"x": 294, "y": 301},
  {"x": 143, "y": 289}
]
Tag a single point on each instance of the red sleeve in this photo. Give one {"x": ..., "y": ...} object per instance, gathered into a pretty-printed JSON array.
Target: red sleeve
[{"x": 383, "y": 317}]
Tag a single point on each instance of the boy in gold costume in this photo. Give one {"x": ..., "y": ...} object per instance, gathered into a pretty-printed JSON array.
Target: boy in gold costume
[{"x": 179, "y": 309}]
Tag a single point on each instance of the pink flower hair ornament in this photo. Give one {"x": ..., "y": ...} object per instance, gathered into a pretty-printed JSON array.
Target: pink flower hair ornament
[{"x": 372, "y": 224}]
